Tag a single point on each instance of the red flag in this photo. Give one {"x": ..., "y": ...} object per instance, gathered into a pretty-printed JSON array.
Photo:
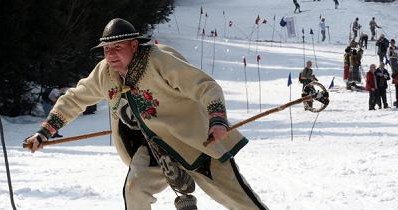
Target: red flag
[
  {"x": 201, "y": 10},
  {"x": 215, "y": 33},
  {"x": 244, "y": 61},
  {"x": 230, "y": 23},
  {"x": 258, "y": 58},
  {"x": 258, "y": 19},
  {"x": 264, "y": 21}
]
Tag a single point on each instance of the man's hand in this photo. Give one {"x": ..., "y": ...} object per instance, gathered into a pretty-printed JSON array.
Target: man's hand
[
  {"x": 35, "y": 142},
  {"x": 219, "y": 132}
]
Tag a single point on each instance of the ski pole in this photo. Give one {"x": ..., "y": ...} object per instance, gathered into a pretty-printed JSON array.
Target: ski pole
[
  {"x": 69, "y": 139},
  {"x": 10, "y": 190},
  {"x": 322, "y": 97}
]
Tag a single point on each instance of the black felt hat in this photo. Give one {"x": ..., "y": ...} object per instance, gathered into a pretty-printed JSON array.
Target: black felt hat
[{"x": 118, "y": 30}]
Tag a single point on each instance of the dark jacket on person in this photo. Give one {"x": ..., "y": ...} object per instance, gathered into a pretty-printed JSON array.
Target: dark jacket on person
[
  {"x": 382, "y": 76},
  {"x": 382, "y": 44}
]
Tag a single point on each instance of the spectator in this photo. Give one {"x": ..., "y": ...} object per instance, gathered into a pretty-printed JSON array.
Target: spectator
[
  {"x": 382, "y": 76},
  {"x": 393, "y": 58},
  {"x": 371, "y": 86},
  {"x": 355, "y": 61},
  {"x": 306, "y": 77},
  {"x": 382, "y": 44},
  {"x": 347, "y": 56}
]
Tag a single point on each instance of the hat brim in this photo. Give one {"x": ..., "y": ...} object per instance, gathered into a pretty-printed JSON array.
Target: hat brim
[{"x": 140, "y": 39}]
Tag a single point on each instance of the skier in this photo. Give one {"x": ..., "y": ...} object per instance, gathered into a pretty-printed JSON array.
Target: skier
[
  {"x": 297, "y": 5},
  {"x": 382, "y": 44},
  {"x": 355, "y": 28},
  {"x": 373, "y": 25},
  {"x": 371, "y": 86},
  {"x": 322, "y": 26},
  {"x": 393, "y": 58},
  {"x": 142, "y": 84},
  {"x": 382, "y": 76},
  {"x": 306, "y": 77}
]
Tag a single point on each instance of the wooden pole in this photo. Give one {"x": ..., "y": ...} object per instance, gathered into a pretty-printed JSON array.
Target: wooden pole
[
  {"x": 69, "y": 139},
  {"x": 263, "y": 114}
]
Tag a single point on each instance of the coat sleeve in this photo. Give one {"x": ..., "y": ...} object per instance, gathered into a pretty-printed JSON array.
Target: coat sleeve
[
  {"x": 87, "y": 92},
  {"x": 192, "y": 83}
]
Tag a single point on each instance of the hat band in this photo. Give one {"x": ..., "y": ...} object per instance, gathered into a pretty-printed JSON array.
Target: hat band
[{"x": 113, "y": 38}]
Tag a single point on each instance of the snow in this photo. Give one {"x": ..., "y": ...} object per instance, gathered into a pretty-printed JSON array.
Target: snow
[{"x": 349, "y": 163}]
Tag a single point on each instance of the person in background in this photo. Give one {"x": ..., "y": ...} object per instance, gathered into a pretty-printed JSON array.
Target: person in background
[
  {"x": 336, "y": 3},
  {"x": 49, "y": 98},
  {"x": 371, "y": 86},
  {"x": 346, "y": 71},
  {"x": 297, "y": 6},
  {"x": 363, "y": 40},
  {"x": 382, "y": 43},
  {"x": 393, "y": 58},
  {"x": 373, "y": 25},
  {"x": 306, "y": 77},
  {"x": 382, "y": 76},
  {"x": 355, "y": 75},
  {"x": 355, "y": 28},
  {"x": 163, "y": 111},
  {"x": 322, "y": 26}
]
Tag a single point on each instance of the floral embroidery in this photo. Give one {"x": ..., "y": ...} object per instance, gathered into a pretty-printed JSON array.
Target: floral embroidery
[
  {"x": 146, "y": 104},
  {"x": 138, "y": 65},
  {"x": 112, "y": 92},
  {"x": 216, "y": 108}
]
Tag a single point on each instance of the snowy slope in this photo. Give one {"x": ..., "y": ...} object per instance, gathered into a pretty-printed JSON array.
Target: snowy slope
[{"x": 351, "y": 162}]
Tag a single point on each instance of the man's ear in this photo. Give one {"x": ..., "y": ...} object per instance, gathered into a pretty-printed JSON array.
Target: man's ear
[{"x": 134, "y": 44}]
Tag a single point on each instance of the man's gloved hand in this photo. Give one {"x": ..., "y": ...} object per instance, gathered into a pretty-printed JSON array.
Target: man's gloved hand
[{"x": 35, "y": 142}]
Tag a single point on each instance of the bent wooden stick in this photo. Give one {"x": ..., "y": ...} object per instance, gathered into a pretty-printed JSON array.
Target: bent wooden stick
[
  {"x": 268, "y": 112},
  {"x": 69, "y": 139}
]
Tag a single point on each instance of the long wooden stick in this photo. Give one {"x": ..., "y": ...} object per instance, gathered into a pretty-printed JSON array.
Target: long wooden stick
[
  {"x": 211, "y": 139},
  {"x": 268, "y": 112},
  {"x": 69, "y": 139}
]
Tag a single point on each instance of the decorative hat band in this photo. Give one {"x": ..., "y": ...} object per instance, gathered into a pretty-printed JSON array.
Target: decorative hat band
[{"x": 112, "y": 38}]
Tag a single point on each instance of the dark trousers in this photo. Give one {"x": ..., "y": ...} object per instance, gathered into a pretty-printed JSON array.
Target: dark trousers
[
  {"x": 297, "y": 8},
  {"x": 373, "y": 30},
  {"x": 382, "y": 97},
  {"x": 372, "y": 99},
  {"x": 323, "y": 35},
  {"x": 381, "y": 57},
  {"x": 396, "y": 95}
]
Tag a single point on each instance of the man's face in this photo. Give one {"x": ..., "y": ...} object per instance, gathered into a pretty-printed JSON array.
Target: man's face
[{"x": 119, "y": 55}]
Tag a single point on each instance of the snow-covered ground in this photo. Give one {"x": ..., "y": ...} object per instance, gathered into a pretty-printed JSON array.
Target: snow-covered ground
[{"x": 351, "y": 162}]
